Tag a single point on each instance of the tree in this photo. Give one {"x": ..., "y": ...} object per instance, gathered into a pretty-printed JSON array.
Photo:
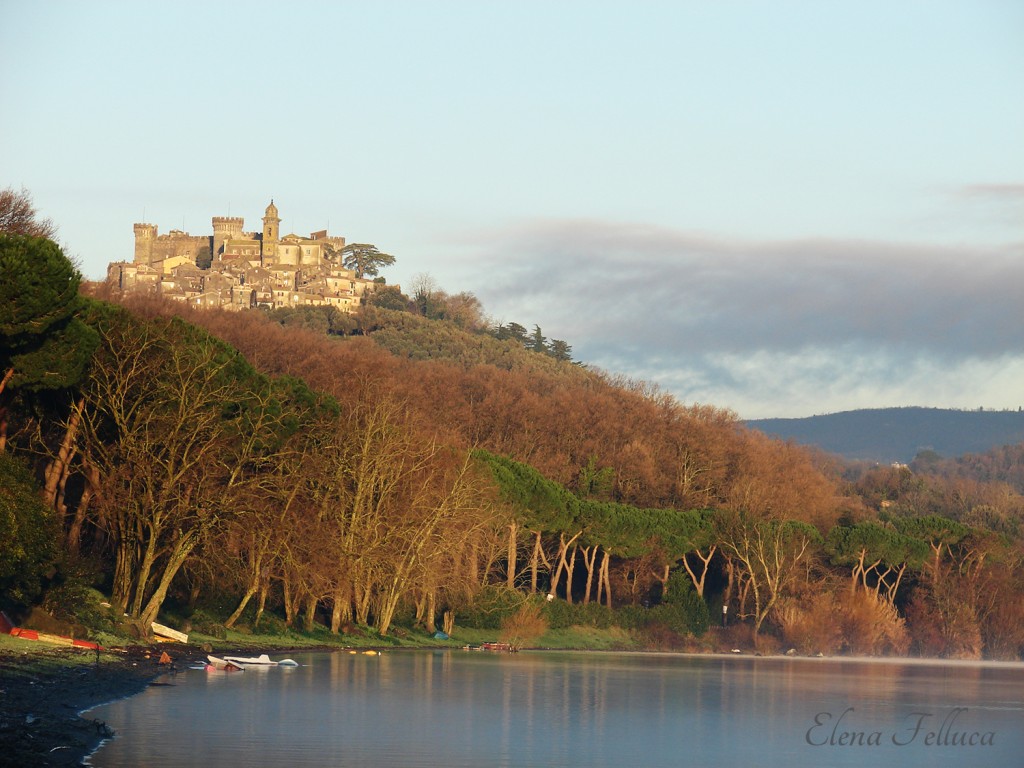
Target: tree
[
  {"x": 42, "y": 344},
  {"x": 364, "y": 259},
  {"x": 513, "y": 331},
  {"x": 28, "y": 536},
  {"x": 18, "y": 216},
  {"x": 389, "y": 297},
  {"x": 771, "y": 554},
  {"x": 538, "y": 341},
  {"x": 427, "y": 296},
  {"x": 172, "y": 421},
  {"x": 38, "y": 287},
  {"x": 877, "y": 556},
  {"x": 560, "y": 350},
  {"x": 203, "y": 257}
]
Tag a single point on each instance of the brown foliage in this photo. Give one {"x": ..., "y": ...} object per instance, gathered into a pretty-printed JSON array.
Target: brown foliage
[
  {"x": 871, "y": 625},
  {"x": 663, "y": 454},
  {"x": 839, "y": 619},
  {"x": 942, "y": 624},
  {"x": 524, "y": 626},
  {"x": 810, "y": 625}
]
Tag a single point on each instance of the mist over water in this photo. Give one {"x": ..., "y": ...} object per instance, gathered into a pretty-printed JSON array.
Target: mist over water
[{"x": 453, "y": 708}]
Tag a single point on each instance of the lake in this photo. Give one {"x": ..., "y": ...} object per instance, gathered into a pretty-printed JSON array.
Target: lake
[{"x": 459, "y": 708}]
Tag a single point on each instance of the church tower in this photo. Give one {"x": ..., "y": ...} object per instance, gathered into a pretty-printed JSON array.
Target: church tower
[{"x": 271, "y": 234}]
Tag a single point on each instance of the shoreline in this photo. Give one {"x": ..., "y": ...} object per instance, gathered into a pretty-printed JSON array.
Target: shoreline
[{"x": 47, "y": 693}]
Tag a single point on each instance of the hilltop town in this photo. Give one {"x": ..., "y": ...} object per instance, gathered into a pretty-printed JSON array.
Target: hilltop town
[{"x": 235, "y": 269}]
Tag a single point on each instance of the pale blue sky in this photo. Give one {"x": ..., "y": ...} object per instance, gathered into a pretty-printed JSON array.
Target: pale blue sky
[{"x": 783, "y": 208}]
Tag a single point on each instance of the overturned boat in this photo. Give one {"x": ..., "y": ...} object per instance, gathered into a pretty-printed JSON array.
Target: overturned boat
[{"x": 263, "y": 660}]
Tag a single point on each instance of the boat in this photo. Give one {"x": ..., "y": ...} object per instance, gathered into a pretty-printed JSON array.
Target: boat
[
  {"x": 165, "y": 634},
  {"x": 498, "y": 647},
  {"x": 263, "y": 660},
  {"x": 222, "y": 665}
]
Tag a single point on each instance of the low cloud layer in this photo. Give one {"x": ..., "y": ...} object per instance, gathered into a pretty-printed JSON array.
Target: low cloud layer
[{"x": 768, "y": 328}]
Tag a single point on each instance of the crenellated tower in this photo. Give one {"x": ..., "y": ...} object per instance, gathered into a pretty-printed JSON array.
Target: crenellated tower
[
  {"x": 271, "y": 233},
  {"x": 145, "y": 236},
  {"x": 225, "y": 228}
]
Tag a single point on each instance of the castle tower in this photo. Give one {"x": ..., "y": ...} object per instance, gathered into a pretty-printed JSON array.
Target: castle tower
[
  {"x": 225, "y": 228},
  {"x": 145, "y": 236},
  {"x": 271, "y": 234}
]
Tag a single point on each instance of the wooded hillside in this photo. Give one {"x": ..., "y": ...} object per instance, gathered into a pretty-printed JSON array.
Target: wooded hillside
[{"x": 391, "y": 468}]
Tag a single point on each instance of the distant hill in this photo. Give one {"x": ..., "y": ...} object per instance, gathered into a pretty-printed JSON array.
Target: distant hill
[{"x": 898, "y": 434}]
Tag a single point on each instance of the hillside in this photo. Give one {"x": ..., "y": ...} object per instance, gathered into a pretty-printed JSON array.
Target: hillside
[{"x": 899, "y": 434}]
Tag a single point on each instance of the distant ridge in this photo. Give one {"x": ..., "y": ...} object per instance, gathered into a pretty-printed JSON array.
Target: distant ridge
[{"x": 899, "y": 434}]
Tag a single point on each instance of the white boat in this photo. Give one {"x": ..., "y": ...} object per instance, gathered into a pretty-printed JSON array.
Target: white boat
[
  {"x": 260, "y": 661},
  {"x": 223, "y": 664}
]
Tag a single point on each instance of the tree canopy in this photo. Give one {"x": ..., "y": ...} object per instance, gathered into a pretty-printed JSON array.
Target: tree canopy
[{"x": 365, "y": 259}]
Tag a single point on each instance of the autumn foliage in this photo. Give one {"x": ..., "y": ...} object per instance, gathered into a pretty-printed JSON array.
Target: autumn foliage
[{"x": 384, "y": 468}]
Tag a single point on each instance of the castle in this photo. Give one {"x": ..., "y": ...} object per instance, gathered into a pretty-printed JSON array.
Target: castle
[{"x": 235, "y": 269}]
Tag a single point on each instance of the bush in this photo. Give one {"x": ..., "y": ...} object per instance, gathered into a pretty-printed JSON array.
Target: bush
[
  {"x": 29, "y": 554},
  {"x": 810, "y": 625},
  {"x": 562, "y": 615},
  {"x": 525, "y": 625},
  {"x": 684, "y": 610},
  {"x": 872, "y": 626},
  {"x": 943, "y": 623},
  {"x": 206, "y": 624}
]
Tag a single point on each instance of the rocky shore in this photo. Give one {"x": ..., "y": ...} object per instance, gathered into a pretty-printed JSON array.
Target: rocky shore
[{"x": 43, "y": 690}]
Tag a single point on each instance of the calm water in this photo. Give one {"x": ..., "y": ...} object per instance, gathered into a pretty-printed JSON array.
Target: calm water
[{"x": 457, "y": 708}]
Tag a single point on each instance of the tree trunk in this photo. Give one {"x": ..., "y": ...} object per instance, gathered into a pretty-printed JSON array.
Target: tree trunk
[
  {"x": 74, "y": 535},
  {"x": 289, "y": 599},
  {"x": 181, "y": 552},
  {"x": 563, "y": 547},
  {"x": 341, "y": 611},
  {"x": 606, "y": 578},
  {"x": 512, "y": 547},
  {"x": 122, "y": 584},
  {"x": 250, "y": 592},
  {"x": 309, "y": 614},
  {"x": 261, "y": 603},
  {"x": 142, "y": 577},
  {"x": 535, "y": 560},
  {"x": 590, "y": 560},
  {"x": 431, "y": 611},
  {"x": 698, "y": 581},
  {"x": 569, "y": 570},
  {"x": 58, "y": 467}
]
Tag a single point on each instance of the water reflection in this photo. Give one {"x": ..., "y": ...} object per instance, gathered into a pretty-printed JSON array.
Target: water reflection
[{"x": 566, "y": 709}]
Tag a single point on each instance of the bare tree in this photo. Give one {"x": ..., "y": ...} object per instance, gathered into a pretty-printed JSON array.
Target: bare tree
[{"x": 18, "y": 215}]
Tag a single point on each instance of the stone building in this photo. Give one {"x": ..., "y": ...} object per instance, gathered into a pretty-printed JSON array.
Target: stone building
[{"x": 246, "y": 269}]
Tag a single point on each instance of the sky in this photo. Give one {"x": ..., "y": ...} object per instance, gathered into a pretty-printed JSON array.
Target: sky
[{"x": 780, "y": 208}]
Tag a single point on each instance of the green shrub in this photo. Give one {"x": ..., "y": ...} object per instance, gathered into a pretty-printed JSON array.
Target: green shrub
[
  {"x": 682, "y": 609},
  {"x": 206, "y": 624},
  {"x": 562, "y": 615},
  {"x": 29, "y": 554}
]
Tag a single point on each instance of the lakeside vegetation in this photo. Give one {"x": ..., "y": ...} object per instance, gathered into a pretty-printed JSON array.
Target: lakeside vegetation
[{"x": 382, "y": 477}]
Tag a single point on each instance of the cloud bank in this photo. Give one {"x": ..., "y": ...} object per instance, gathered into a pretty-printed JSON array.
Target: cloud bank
[{"x": 767, "y": 327}]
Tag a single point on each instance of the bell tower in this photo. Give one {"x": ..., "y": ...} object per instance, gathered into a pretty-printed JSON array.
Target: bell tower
[{"x": 271, "y": 233}]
